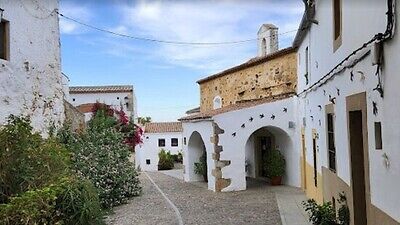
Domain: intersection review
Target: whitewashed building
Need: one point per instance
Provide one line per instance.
(30, 68)
(157, 136)
(245, 112)
(117, 96)
(348, 106)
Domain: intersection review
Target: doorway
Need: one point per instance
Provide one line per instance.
(357, 167)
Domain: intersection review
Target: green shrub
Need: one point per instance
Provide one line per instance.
(274, 164)
(70, 201)
(165, 160)
(201, 166)
(26, 160)
(178, 158)
(320, 214)
(101, 156)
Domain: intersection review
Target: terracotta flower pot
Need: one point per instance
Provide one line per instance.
(276, 181)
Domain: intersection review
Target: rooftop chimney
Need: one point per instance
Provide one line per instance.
(267, 40)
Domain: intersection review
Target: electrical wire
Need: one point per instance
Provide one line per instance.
(378, 37)
(163, 41)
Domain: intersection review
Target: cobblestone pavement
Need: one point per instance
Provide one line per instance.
(197, 205)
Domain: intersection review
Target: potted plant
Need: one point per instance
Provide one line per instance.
(201, 167)
(274, 165)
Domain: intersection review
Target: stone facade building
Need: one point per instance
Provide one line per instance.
(245, 111)
(30, 67)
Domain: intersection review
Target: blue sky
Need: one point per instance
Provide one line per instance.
(164, 76)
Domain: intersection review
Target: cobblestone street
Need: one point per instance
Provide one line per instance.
(197, 205)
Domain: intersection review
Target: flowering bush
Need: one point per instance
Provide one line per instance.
(36, 183)
(102, 156)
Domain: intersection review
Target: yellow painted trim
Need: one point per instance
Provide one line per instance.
(312, 191)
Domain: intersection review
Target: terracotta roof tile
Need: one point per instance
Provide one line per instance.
(237, 106)
(100, 89)
(163, 127)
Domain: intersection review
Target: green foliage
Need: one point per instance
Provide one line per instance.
(343, 211)
(36, 183)
(69, 201)
(26, 160)
(274, 164)
(101, 120)
(144, 120)
(101, 156)
(178, 157)
(320, 214)
(201, 166)
(166, 160)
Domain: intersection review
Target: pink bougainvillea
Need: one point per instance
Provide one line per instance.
(134, 133)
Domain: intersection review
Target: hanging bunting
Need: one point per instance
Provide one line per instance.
(375, 108)
(332, 99)
(379, 89)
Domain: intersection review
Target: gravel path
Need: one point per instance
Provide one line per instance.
(197, 205)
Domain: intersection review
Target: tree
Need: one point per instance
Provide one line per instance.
(143, 120)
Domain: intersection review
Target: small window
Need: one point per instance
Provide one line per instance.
(331, 142)
(337, 24)
(184, 140)
(306, 75)
(378, 136)
(117, 98)
(73, 99)
(148, 161)
(217, 102)
(4, 40)
(174, 142)
(161, 142)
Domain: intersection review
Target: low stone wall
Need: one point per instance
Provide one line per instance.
(74, 118)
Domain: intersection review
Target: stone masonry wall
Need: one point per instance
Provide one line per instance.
(274, 77)
(74, 118)
(30, 79)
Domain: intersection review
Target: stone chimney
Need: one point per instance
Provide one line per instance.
(267, 40)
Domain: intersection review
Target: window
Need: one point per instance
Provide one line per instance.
(117, 98)
(148, 161)
(337, 24)
(331, 142)
(184, 140)
(306, 65)
(217, 102)
(378, 136)
(73, 99)
(4, 40)
(161, 142)
(174, 142)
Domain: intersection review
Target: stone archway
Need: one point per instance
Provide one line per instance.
(196, 149)
(258, 145)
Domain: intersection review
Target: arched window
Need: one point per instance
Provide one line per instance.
(264, 47)
(217, 102)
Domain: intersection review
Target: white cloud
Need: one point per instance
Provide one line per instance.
(73, 10)
(207, 21)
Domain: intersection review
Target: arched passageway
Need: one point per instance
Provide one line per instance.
(259, 145)
(197, 157)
